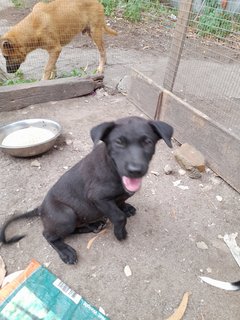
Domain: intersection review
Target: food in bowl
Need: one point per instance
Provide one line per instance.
(25, 143)
(27, 137)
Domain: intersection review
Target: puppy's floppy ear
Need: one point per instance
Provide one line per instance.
(101, 131)
(7, 45)
(163, 130)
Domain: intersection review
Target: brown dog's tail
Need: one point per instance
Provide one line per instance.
(29, 214)
(110, 31)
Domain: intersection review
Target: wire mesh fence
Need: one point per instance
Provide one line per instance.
(209, 71)
(80, 55)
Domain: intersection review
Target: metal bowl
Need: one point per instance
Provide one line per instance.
(34, 149)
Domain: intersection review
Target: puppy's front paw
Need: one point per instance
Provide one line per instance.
(120, 234)
(128, 209)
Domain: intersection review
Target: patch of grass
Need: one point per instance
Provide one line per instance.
(18, 3)
(17, 79)
(133, 9)
(22, 3)
(110, 6)
(81, 72)
(214, 20)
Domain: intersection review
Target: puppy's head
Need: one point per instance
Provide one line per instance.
(12, 54)
(131, 144)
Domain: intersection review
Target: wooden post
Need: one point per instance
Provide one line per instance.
(177, 44)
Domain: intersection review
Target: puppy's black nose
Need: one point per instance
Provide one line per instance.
(135, 170)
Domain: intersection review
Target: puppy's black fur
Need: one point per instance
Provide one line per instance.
(94, 189)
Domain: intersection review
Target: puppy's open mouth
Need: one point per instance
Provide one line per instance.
(132, 184)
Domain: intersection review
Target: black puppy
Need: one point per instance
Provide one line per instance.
(97, 187)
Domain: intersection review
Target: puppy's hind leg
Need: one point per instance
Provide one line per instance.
(66, 252)
(60, 223)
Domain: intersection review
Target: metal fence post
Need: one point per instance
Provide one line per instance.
(177, 44)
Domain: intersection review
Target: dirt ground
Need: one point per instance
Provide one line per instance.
(175, 236)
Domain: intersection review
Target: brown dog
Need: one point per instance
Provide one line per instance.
(51, 26)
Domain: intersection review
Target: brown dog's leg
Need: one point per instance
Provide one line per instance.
(97, 37)
(50, 69)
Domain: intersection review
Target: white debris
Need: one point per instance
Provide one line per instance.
(202, 245)
(35, 163)
(127, 271)
(215, 180)
(181, 172)
(9, 278)
(207, 187)
(172, 17)
(176, 183)
(2, 270)
(220, 284)
(168, 169)
(183, 187)
(230, 240)
(68, 142)
(153, 191)
(155, 173)
(219, 198)
(47, 264)
(102, 310)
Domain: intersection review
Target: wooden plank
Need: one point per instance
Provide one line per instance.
(220, 147)
(20, 96)
(177, 44)
(144, 93)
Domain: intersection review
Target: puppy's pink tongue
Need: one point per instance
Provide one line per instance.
(132, 184)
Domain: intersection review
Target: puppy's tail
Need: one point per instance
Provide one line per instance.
(110, 31)
(29, 214)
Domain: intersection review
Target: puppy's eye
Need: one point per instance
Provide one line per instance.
(120, 142)
(147, 142)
